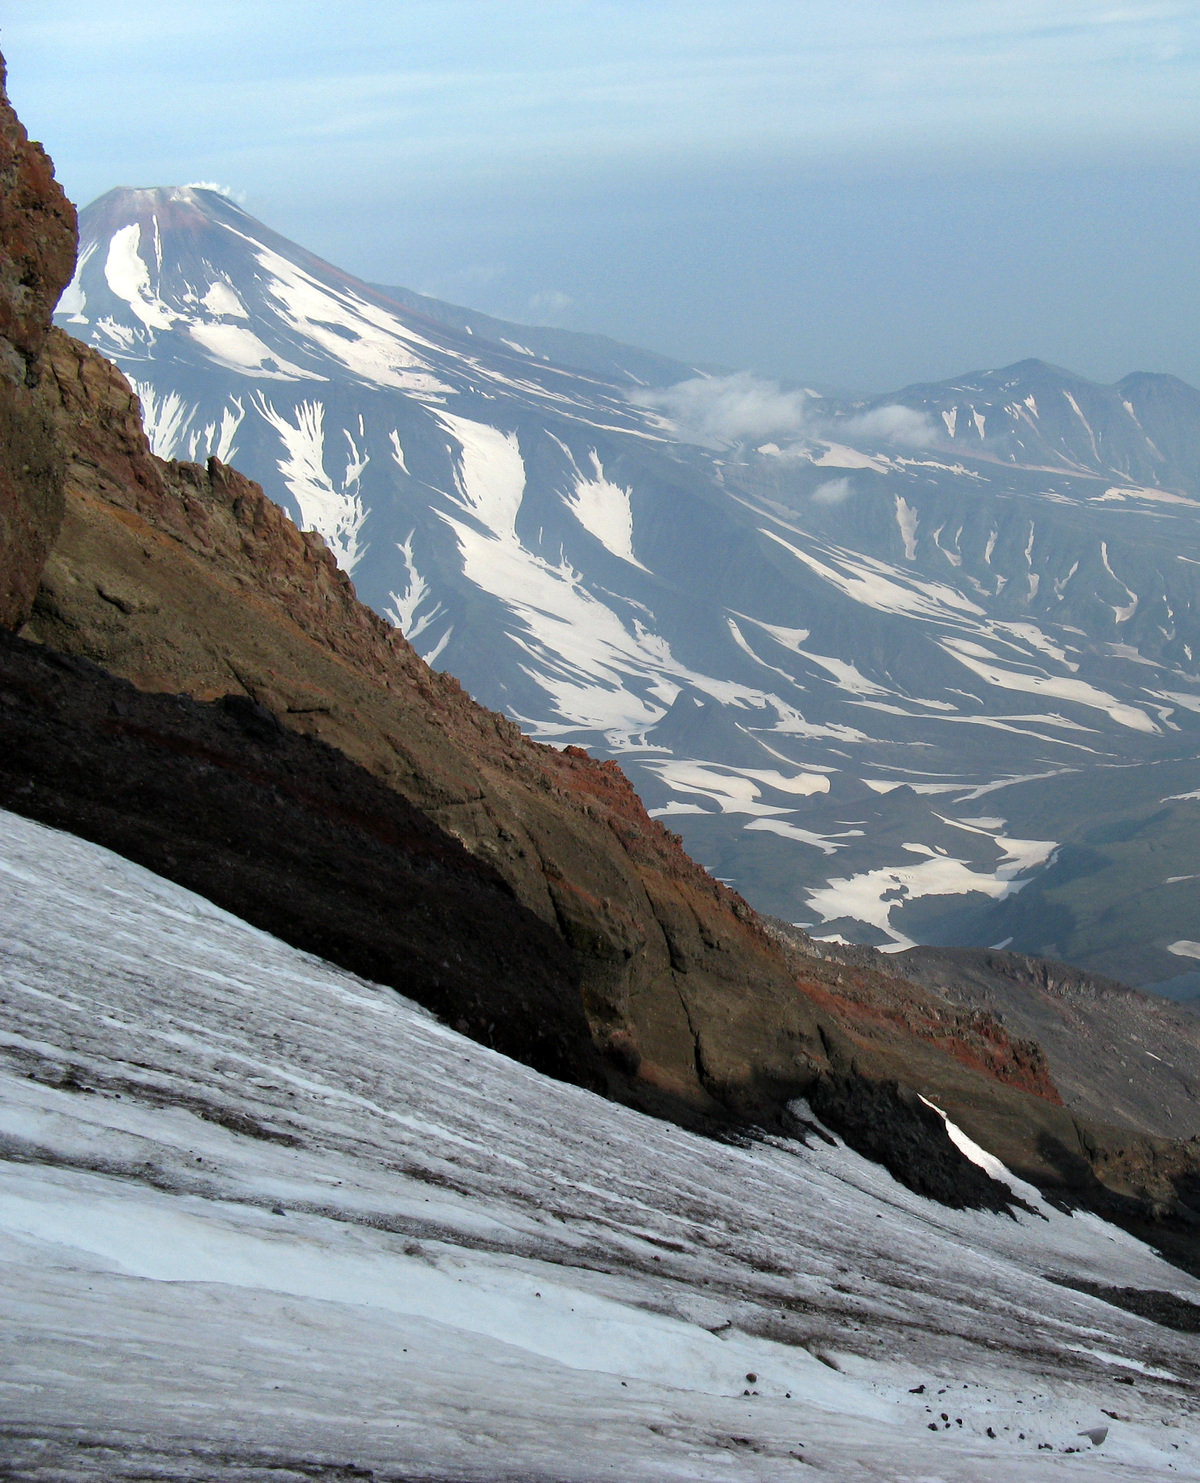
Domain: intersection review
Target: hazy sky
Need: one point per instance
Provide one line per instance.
(851, 192)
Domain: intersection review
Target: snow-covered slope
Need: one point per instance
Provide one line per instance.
(261, 1219)
(596, 354)
(877, 661)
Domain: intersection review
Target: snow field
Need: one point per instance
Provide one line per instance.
(252, 1201)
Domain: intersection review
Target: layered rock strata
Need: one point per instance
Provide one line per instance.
(37, 258)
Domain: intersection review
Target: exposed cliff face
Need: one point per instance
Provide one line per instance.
(37, 258)
(183, 578)
(293, 837)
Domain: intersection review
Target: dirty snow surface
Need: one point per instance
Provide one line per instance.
(260, 1219)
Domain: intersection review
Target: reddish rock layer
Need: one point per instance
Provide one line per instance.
(878, 1005)
(37, 258)
(182, 578)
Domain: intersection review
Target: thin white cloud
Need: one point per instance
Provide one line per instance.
(892, 424)
(548, 305)
(723, 411)
(832, 492)
(435, 82)
(720, 410)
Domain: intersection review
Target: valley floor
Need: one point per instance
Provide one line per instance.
(262, 1220)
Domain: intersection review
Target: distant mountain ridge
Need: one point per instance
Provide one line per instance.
(882, 663)
(1144, 429)
(598, 354)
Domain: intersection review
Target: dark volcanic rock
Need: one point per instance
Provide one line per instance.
(289, 834)
(891, 1125)
(37, 258)
(1165, 1308)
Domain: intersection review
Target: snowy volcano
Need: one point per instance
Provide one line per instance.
(887, 666)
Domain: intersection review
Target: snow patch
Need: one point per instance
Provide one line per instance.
(221, 299)
(982, 663)
(239, 349)
(828, 844)
(128, 276)
(172, 432)
(876, 585)
(73, 300)
(604, 510)
(335, 511)
(406, 609)
(872, 895)
(906, 519)
(1121, 612)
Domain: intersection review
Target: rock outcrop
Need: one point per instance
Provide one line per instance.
(37, 258)
(184, 578)
(292, 836)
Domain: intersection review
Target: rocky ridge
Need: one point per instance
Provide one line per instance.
(185, 578)
(37, 258)
(1111, 1051)
(293, 837)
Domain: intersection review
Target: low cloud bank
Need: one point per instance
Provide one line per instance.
(832, 492)
(894, 424)
(717, 411)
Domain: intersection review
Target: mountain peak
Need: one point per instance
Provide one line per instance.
(172, 204)
(183, 274)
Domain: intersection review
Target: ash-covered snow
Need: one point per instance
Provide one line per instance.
(263, 1219)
